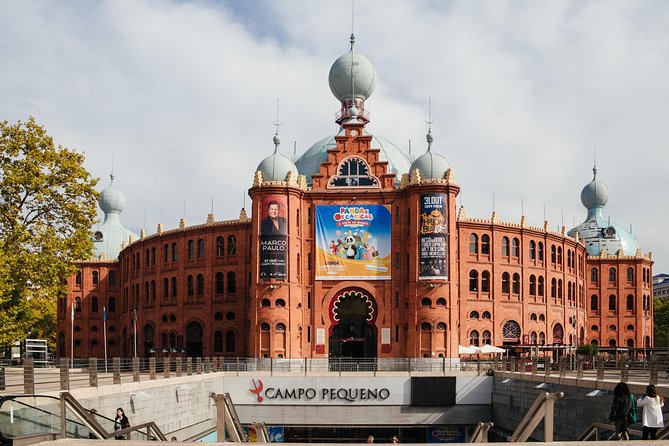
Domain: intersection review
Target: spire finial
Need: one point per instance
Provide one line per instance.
(277, 139)
(594, 166)
(429, 123)
(111, 175)
(352, 24)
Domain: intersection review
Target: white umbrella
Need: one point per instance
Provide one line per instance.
(491, 349)
(468, 350)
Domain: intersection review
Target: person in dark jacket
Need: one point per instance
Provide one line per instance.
(121, 422)
(620, 408)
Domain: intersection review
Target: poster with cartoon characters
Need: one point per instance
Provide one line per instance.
(433, 242)
(353, 242)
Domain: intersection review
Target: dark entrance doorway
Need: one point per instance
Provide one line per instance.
(354, 335)
(194, 340)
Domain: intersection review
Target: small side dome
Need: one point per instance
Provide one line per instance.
(431, 165)
(276, 166)
(356, 66)
(595, 194)
(112, 199)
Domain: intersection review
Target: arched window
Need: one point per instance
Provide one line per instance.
(153, 290)
(174, 252)
(474, 338)
(533, 317)
(540, 251)
(218, 316)
(540, 286)
(485, 244)
(441, 326)
(280, 303)
(111, 278)
(96, 277)
(594, 275)
(166, 255)
(505, 283)
(630, 302)
(147, 295)
(166, 288)
(542, 338)
(265, 303)
(77, 305)
(553, 288)
(474, 315)
(486, 315)
(515, 247)
(594, 303)
(511, 331)
(553, 254)
(200, 285)
(200, 248)
(280, 327)
(220, 282)
(594, 328)
(560, 291)
(612, 343)
(558, 334)
(441, 302)
(218, 341)
(473, 280)
(533, 285)
(232, 282)
(533, 250)
(230, 341)
(112, 304)
(630, 327)
(559, 255)
(613, 327)
(153, 256)
(230, 316)
(232, 245)
(174, 287)
(190, 287)
(485, 281)
(426, 302)
(516, 283)
(473, 244)
(505, 247)
(264, 326)
(220, 246)
(612, 302)
(486, 338)
(630, 275)
(426, 326)
(191, 250)
(77, 278)
(94, 304)
(533, 338)
(612, 275)
(147, 258)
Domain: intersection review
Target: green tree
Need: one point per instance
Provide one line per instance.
(661, 321)
(47, 207)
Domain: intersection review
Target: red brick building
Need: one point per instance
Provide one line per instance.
(355, 249)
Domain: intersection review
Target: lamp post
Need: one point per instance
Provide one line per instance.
(645, 316)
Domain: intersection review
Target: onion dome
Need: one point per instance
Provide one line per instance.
(352, 75)
(110, 235)
(112, 199)
(276, 166)
(595, 194)
(431, 165)
(597, 233)
(309, 163)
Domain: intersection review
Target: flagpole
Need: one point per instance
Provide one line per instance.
(134, 324)
(72, 337)
(104, 323)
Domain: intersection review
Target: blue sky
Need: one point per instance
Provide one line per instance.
(184, 96)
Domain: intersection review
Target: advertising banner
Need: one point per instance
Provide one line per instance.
(446, 434)
(433, 243)
(353, 242)
(273, 237)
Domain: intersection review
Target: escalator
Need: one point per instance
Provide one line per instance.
(29, 419)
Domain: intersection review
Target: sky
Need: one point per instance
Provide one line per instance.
(180, 97)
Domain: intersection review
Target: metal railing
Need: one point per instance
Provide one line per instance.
(69, 374)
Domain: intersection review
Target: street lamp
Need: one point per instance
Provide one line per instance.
(646, 315)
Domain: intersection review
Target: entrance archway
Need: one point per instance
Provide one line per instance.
(353, 333)
(194, 334)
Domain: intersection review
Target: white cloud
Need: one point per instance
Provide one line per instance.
(183, 94)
